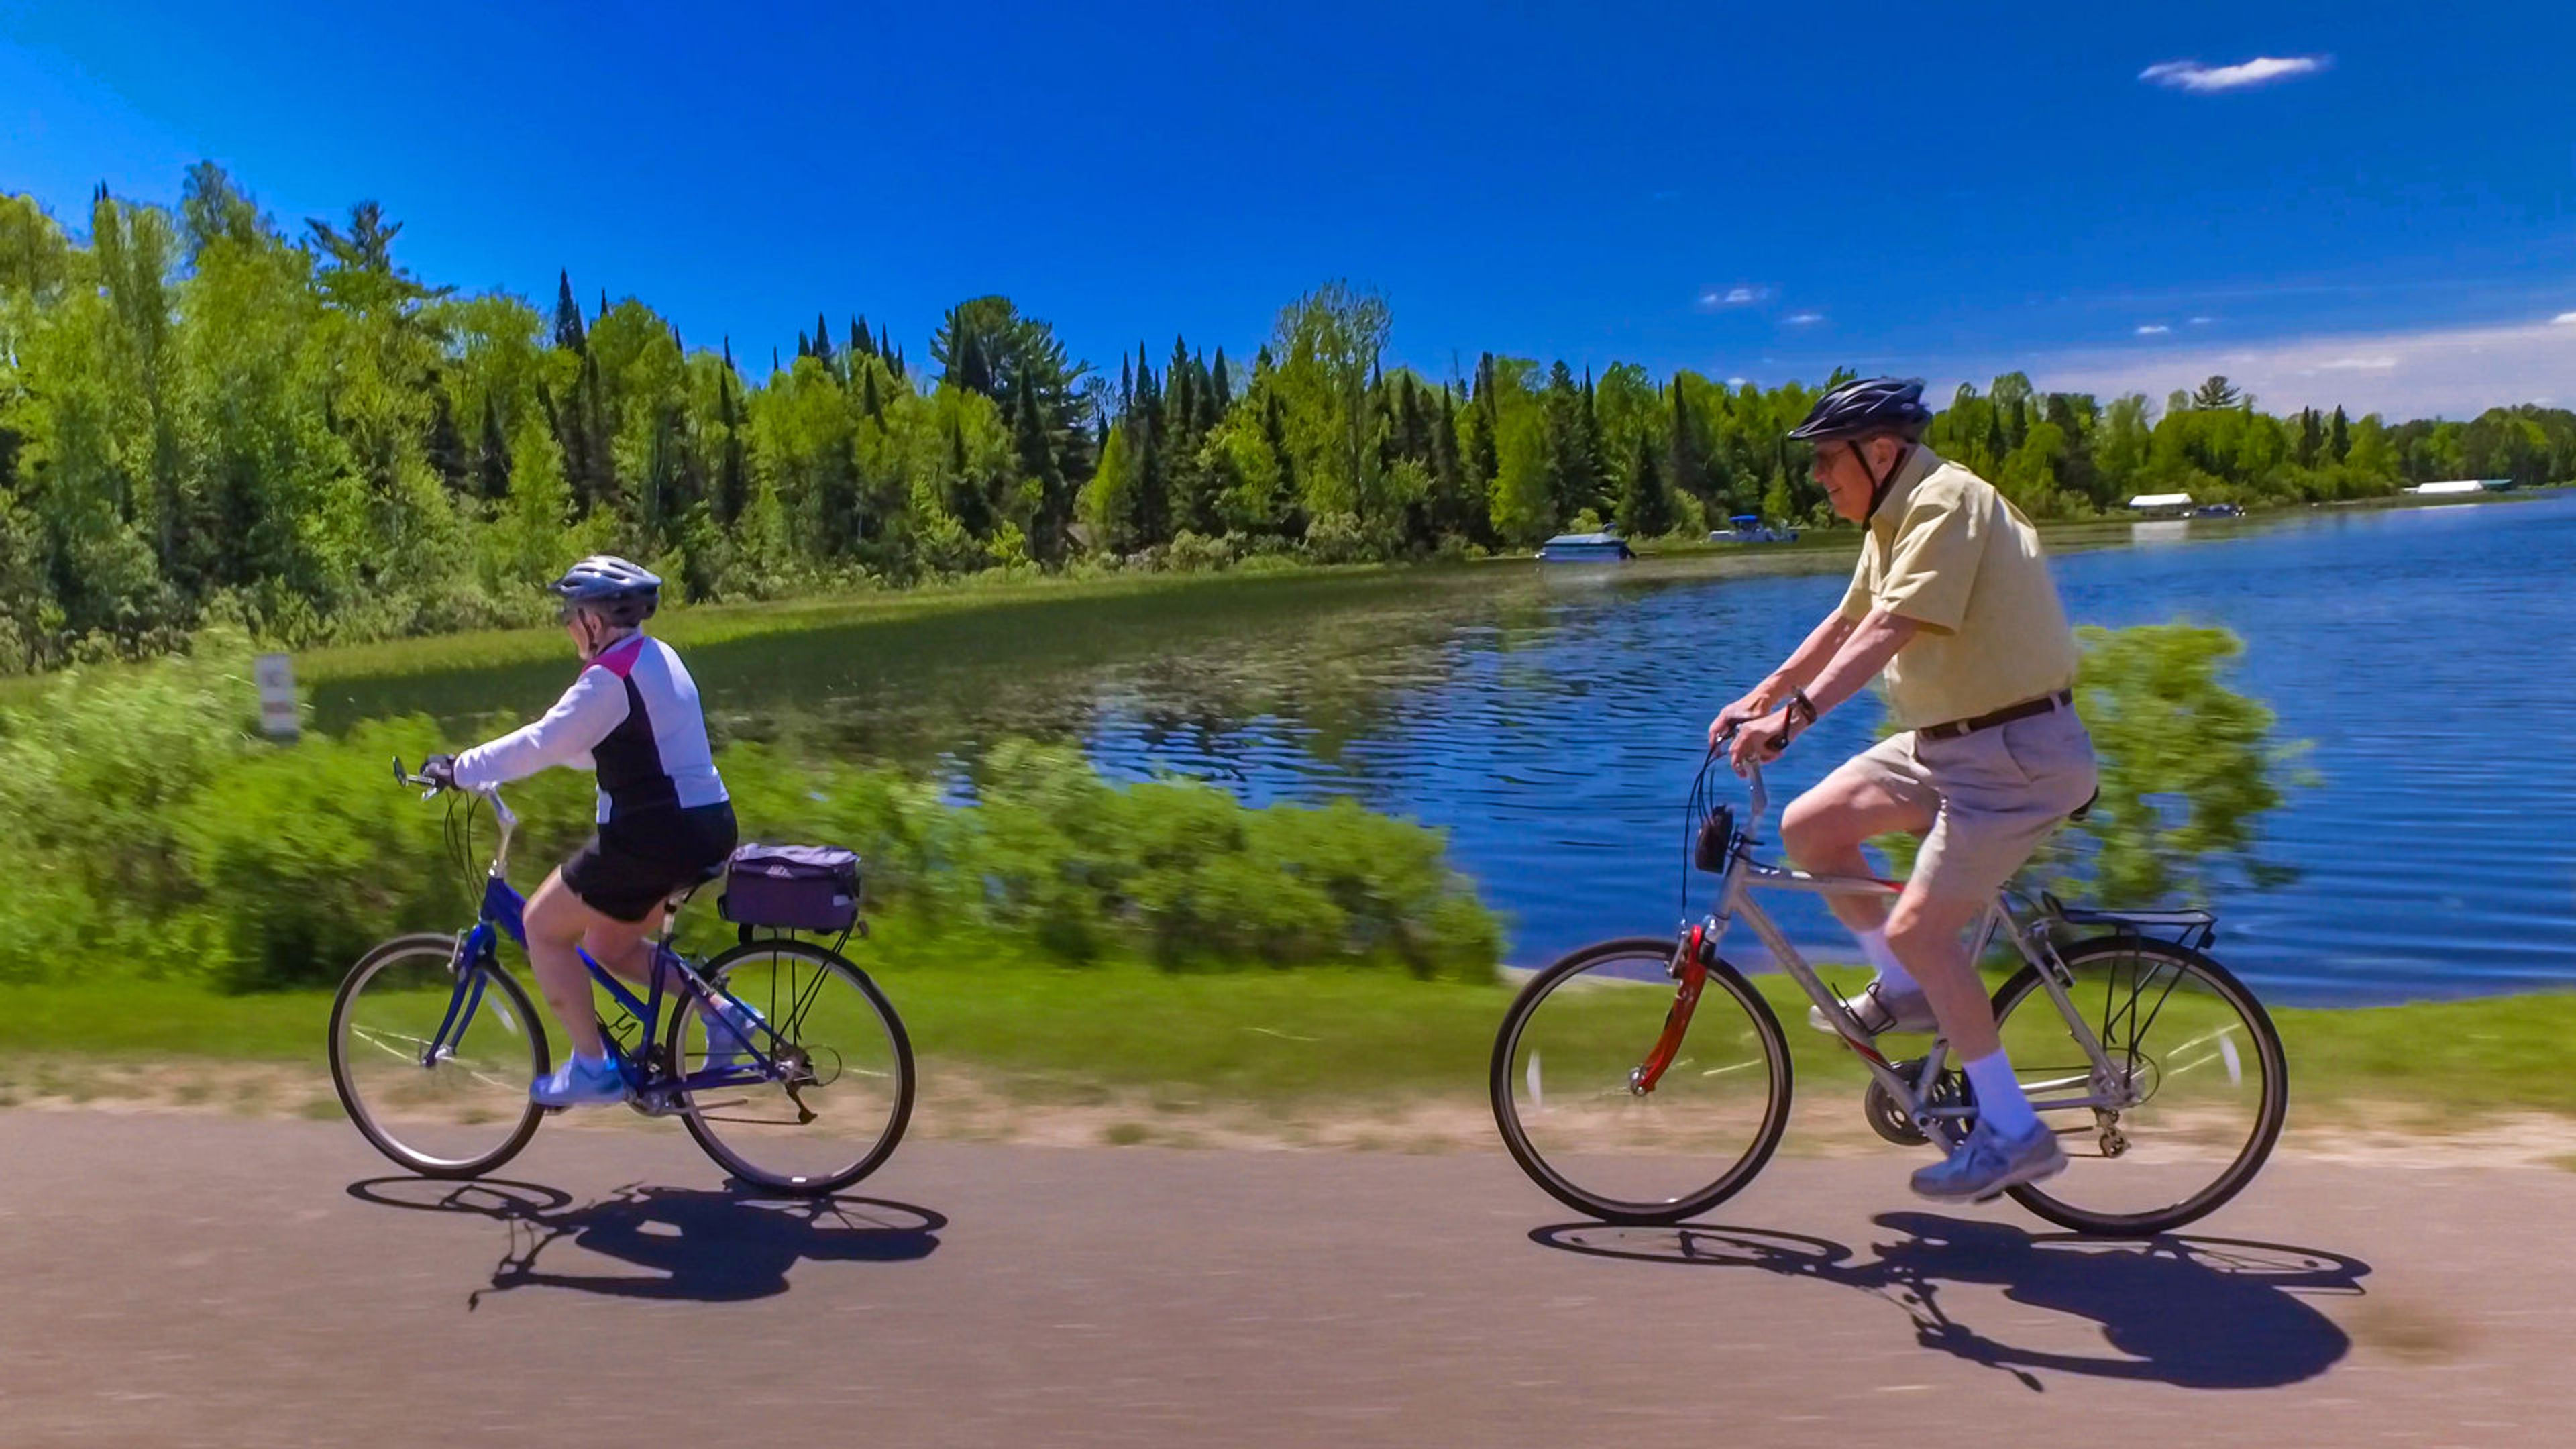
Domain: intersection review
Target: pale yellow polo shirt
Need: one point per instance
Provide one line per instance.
(1949, 552)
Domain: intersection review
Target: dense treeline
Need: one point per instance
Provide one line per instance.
(205, 419)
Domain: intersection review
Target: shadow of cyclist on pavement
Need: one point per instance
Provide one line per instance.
(697, 1246)
(2206, 1313)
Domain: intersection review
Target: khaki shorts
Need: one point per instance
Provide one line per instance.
(1994, 794)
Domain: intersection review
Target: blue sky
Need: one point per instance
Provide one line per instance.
(2372, 204)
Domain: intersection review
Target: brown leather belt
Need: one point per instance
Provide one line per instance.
(2024, 710)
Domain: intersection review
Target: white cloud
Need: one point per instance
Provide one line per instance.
(1804, 319)
(1737, 296)
(2454, 372)
(1735, 382)
(2565, 319)
(2191, 75)
(2202, 321)
(2153, 329)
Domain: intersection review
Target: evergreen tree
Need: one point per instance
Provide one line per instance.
(1572, 468)
(600, 480)
(568, 330)
(1644, 510)
(1484, 443)
(1218, 385)
(733, 477)
(2339, 440)
(1687, 461)
(822, 340)
(1455, 505)
(2216, 393)
(2311, 438)
(492, 467)
(1149, 518)
(1049, 536)
(445, 446)
(861, 344)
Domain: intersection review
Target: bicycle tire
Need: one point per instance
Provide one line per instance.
(1557, 1183)
(2271, 1113)
(899, 1043)
(365, 1117)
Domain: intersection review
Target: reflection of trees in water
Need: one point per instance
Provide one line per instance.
(1194, 678)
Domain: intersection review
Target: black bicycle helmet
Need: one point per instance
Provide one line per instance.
(1869, 408)
(1866, 409)
(616, 590)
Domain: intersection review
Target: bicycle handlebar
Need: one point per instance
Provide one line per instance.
(502, 814)
(1759, 801)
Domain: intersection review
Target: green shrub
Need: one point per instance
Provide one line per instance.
(155, 836)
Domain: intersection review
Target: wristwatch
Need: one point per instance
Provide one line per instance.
(1799, 711)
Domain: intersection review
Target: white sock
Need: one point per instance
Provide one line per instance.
(2000, 1103)
(1891, 972)
(593, 1060)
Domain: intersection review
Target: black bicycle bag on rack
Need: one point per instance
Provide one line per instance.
(792, 888)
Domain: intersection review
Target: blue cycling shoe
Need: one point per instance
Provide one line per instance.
(579, 1083)
(1989, 1162)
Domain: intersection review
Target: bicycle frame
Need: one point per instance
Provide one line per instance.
(2106, 1089)
(504, 911)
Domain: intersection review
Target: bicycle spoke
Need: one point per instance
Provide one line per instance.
(839, 1092)
(2195, 1102)
(437, 1088)
(1589, 1112)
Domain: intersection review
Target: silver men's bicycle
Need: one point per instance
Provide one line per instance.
(1645, 1080)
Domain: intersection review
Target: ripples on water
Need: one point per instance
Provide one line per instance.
(1550, 719)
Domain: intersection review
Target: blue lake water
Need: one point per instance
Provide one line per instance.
(1549, 719)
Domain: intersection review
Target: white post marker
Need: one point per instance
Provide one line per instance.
(277, 712)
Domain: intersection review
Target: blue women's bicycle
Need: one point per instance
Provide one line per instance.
(433, 1044)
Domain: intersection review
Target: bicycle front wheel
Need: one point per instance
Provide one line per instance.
(1635, 1097)
(840, 1096)
(2192, 1053)
(436, 1078)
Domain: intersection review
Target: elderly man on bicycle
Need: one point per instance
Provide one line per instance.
(1952, 600)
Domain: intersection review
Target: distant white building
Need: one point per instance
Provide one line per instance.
(2160, 504)
(2454, 486)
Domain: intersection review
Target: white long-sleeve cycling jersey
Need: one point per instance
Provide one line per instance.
(633, 715)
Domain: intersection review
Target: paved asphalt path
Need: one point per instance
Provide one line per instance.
(180, 1280)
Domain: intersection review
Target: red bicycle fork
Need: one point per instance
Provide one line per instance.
(1691, 970)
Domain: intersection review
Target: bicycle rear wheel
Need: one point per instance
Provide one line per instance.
(842, 1096)
(2189, 1043)
(459, 1111)
(1633, 1097)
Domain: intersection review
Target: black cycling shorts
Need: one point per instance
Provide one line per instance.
(638, 861)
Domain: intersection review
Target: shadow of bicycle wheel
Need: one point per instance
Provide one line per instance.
(692, 1245)
(2196, 1312)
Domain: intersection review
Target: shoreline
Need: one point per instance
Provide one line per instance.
(1814, 551)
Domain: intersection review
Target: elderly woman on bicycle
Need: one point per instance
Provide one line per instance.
(664, 823)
